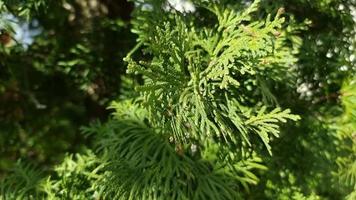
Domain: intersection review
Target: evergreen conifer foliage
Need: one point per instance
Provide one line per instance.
(200, 83)
(199, 116)
(22, 183)
(196, 139)
(346, 127)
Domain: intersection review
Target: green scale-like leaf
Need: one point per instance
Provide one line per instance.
(193, 82)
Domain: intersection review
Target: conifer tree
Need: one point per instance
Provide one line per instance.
(216, 103)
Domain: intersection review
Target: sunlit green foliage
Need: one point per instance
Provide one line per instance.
(220, 100)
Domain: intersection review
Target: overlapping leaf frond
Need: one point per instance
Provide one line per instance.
(198, 79)
(347, 129)
(144, 163)
(23, 183)
(75, 178)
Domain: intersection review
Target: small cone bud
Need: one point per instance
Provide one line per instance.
(281, 11)
(276, 33)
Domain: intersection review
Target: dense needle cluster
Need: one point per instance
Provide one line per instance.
(201, 113)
